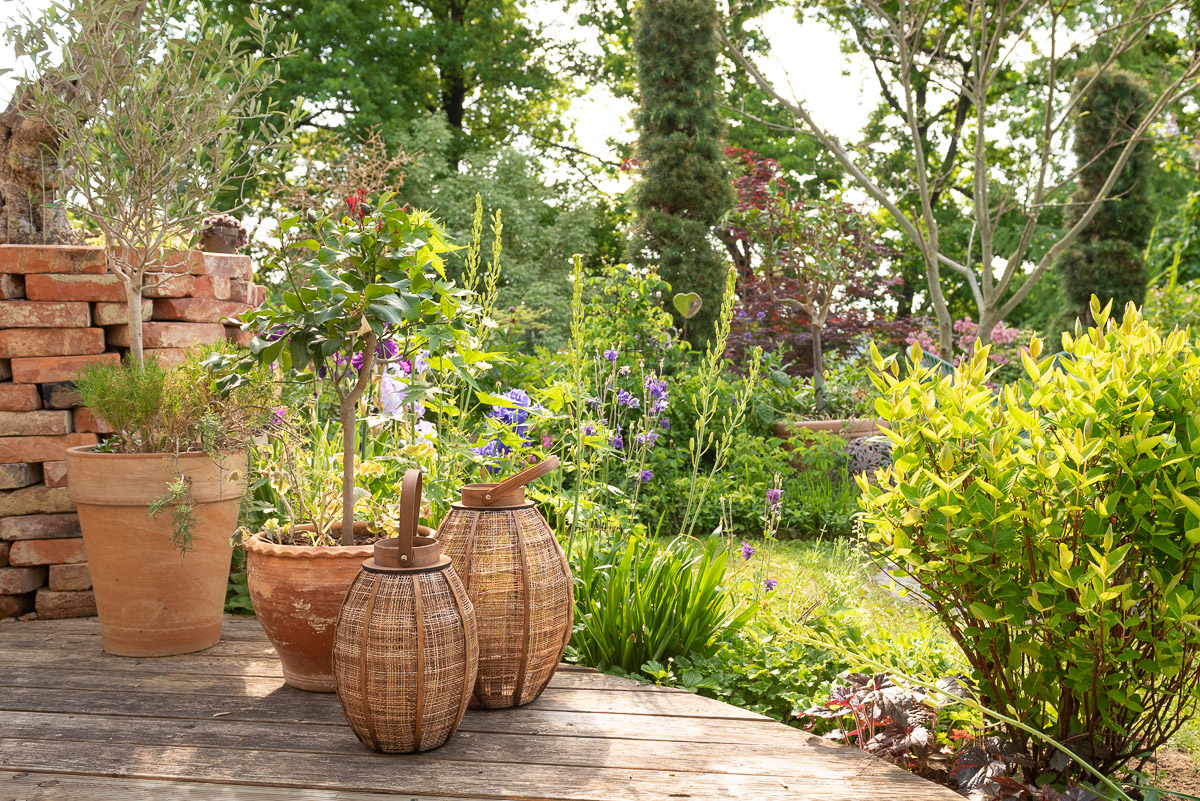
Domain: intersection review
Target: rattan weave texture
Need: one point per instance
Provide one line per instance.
(517, 577)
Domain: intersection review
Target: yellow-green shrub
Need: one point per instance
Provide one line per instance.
(1055, 530)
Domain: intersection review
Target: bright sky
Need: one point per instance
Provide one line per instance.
(839, 92)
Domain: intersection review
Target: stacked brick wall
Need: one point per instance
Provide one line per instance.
(60, 310)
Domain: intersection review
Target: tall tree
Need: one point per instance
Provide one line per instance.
(367, 64)
(982, 93)
(683, 189)
(1106, 259)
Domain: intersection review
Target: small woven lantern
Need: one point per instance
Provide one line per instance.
(520, 585)
(405, 650)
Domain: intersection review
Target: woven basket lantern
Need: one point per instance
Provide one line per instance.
(405, 650)
(520, 585)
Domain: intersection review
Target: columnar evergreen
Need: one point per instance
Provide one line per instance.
(1107, 259)
(684, 189)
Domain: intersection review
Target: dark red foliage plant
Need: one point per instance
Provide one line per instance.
(812, 274)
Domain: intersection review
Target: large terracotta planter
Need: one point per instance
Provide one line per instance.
(152, 599)
(850, 428)
(297, 592)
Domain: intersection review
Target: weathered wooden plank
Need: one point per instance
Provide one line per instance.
(564, 700)
(300, 708)
(752, 758)
(432, 776)
(40, 786)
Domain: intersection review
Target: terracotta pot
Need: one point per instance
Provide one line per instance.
(297, 592)
(850, 428)
(152, 599)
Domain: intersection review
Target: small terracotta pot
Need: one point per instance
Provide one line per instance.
(152, 599)
(850, 428)
(297, 592)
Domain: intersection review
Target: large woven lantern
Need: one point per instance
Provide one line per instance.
(520, 585)
(405, 650)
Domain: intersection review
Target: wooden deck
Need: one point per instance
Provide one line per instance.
(76, 723)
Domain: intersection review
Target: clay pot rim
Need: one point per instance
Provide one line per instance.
(258, 545)
(89, 452)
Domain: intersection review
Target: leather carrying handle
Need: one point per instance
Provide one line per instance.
(410, 514)
(527, 475)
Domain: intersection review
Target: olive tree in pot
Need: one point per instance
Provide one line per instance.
(158, 500)
(374, 292)
(162, 116)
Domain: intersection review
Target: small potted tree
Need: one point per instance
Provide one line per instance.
(158, 500)
(374, 292)
(162, 117)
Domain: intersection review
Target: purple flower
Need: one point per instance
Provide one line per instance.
(546, 441)
(665, 424)
(611, 354)
(770, 584)
(645, 476)
(648, 439)
(421, 363)
(589, 430)
(761, 316)
(775, 499)
(624, 370)
(747, 550)
(617, 441)
(624, 398)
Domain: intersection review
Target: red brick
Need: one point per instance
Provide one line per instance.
(17, 342)
(60, 396)
(169, 335)
(27, 259)
(167, 357)
(35, 500)
(15, 476)
(40, 527)
(237, 336)
(48, 552)
(33, 424)
(20, 580)
(197, 310)
(75, 287)
(239, 290)
(19, 398)
(226, 265)
(4, 548)
(55, 369)
(258, 295)
(16, 605)
(66, 578)
(43, 314)
(118, 313)
(54, 474)
(12, 287)
(86, 421)
(53, 605)
(186, 286)
(41, 449)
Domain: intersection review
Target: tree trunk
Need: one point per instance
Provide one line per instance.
(348, 415)
(30, 177)
(133, 299)
(818, 370)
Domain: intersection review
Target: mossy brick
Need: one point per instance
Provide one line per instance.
(39, 527)
(12, 287)
(54, 474)
(45, 422)
(20, 580)
(187, 286)
(32, 342)
(35, 500)
(41, 449)
(56, 369)
(70, 259)
(19, 398)
(197, 310)
(118, 313)
(47, 552)
(16, 605)
(69, 578)
(169, 335)
(44, 314)
(60, 395)
(15, 476)
(53, 605)
(75, 287)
